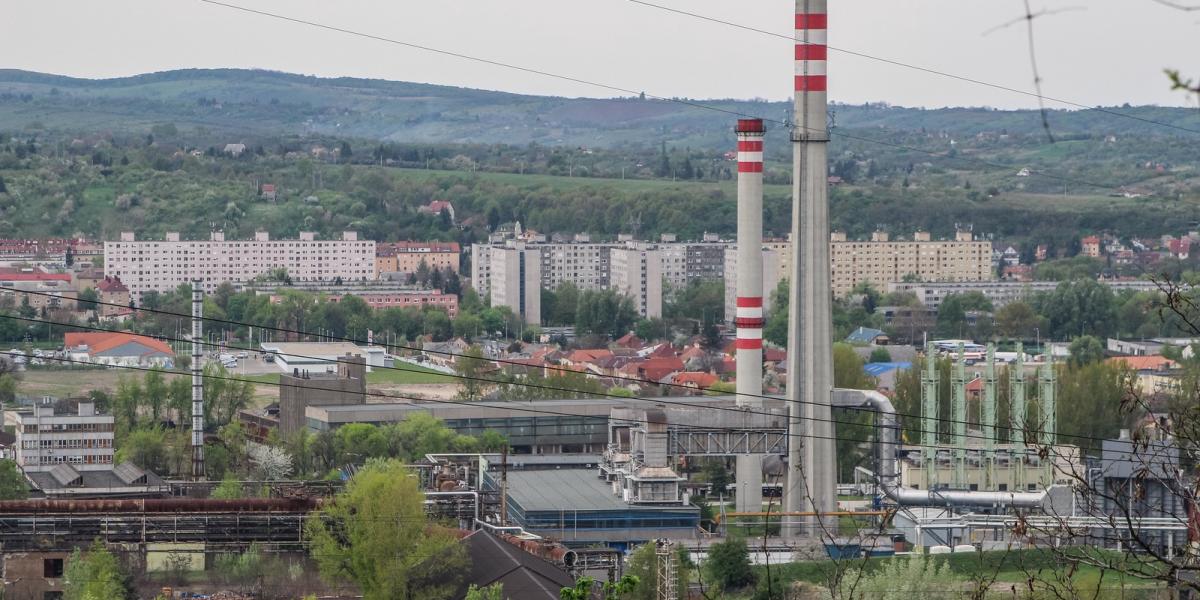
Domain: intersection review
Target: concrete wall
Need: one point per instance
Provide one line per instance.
(296, 394)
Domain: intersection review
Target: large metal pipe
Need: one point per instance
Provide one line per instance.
(889, 480)
(749, 317)
(159, 505)
(197, 380)
(812, 465)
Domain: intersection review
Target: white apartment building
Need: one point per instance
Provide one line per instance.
(589, 265)
(517, 280)
(882, 260)
(637, 272)
(1001, 292)
(46, 439)
(163, 265)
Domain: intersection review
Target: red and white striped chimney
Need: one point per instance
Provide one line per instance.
(749, 316)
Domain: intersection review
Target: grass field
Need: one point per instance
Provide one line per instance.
(1004, 569)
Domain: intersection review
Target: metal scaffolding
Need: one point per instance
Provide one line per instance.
(929, 415)
(1016, 416)
(958, 418)
(987, 417)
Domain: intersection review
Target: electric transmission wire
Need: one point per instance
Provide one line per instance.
(1000, 428)
(931, 71)
(946, 155)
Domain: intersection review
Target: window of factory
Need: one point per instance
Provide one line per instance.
(52, 568)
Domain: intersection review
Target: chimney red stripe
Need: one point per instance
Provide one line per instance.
(749, 167)
(750, 146)
(746, 302)
(812, 21)
(810, 83)
(747, 344)
(749, 323)
(811, 52)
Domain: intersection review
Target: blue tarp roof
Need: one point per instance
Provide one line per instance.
(877, 369)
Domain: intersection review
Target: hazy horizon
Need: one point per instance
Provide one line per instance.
(1106, 53)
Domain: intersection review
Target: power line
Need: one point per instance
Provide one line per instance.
(662, 401)
(929, 70)
(693, 104)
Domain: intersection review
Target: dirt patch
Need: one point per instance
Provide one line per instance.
(421, 391)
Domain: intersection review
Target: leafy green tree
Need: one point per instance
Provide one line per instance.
(26, 310)
(1089, 403)
(492, 441)
(880, 355)
(87, 299)
(952, 312)
(145, 447)
(155, 393)
(224, 395)
(12, 483)
(718, 475)
(651, 329)
(229, 489)
(96, 575)
(776, 329)
(377, 535)
(491, 592)
(643, 564)
(899, 579)
(1017, 320)
(604, 312)
(126, 402)
(584, 589)
(472, 369)
(1080, 307)
(729, 565)
(1085, 350)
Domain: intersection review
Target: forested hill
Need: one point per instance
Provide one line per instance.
(273, 103)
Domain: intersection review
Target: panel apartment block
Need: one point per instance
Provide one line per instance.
(517, 280)
(162, 265)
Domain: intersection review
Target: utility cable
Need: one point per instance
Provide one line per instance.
(690, 103)
(929, 70)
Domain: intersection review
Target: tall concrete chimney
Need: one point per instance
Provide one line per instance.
(749, 316)
(197, 380)
(812, 464)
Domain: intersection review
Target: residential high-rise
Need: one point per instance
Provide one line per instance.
(880, 261)
(637, 273)
(517, 280)
(164, 265)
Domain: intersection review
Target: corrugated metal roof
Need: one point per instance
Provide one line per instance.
(66, 475)
(129, 473)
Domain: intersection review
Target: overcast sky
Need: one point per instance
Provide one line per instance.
(1108, 53)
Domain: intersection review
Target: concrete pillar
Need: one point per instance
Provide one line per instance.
(812, 466)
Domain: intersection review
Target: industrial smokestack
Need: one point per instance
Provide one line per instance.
(197, 381)
(812, 464)
(749, 316)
